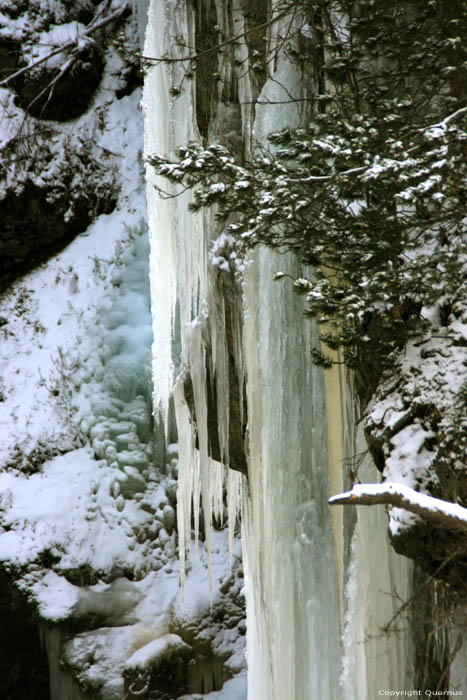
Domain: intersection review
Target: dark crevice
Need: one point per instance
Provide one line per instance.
(24, 667)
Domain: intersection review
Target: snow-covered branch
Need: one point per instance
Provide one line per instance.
(450, 117)
(431, 509)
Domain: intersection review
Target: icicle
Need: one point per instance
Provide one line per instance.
(237, 325)
(197, 358)
(157, 139)
(246, 92)
(62, 685)
(178, 255)
(196, 492)
(185, 479)
(180, 271)
(217, 490)
(221, 364)
(234, 490)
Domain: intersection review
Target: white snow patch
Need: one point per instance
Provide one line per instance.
(151, 653)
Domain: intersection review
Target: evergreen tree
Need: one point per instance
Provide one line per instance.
(372, 193)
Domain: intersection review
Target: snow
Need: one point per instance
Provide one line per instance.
(224, 254)
(152, 652)
(56, 36)
(234, 689)
(47, 311)
(408, 454)
(57, 513)
(152, 604)
(67, 510)
(87, 495)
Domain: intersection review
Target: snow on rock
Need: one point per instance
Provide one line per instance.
(151, 653)
(87, 494)
(44, 337)
(234, 689)
(56, 36)
(68, 513)
(416, 427)
(57, 178)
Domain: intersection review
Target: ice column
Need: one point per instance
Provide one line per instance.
(292, 619)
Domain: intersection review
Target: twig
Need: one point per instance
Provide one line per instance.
(425, 583)
(50, 86)
(217, 47)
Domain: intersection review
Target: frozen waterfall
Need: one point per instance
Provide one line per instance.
(315, 605)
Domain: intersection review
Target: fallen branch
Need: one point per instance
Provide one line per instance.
(433, 510)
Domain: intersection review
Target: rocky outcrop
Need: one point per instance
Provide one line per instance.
(53, 179)
(417, 434)
(40, 218)
(53, 61)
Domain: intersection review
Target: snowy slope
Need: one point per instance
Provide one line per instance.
(87, 504)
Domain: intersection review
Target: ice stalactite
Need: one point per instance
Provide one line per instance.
(180, 280)
(286, 533)
(177, 245)
(62, 685)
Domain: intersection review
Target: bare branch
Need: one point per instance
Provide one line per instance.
(30, 66)
(68, 45)
(50, 86)
(318, 178)
(217, 47)
(433, 510)
(106, 20)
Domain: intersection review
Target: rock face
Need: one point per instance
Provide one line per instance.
(52, 182)
(54, 56)
(417, 433)
(71, 94)
(237, 418)
(23, 660)
(161, 665)
(39, 219)
(168, 668)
